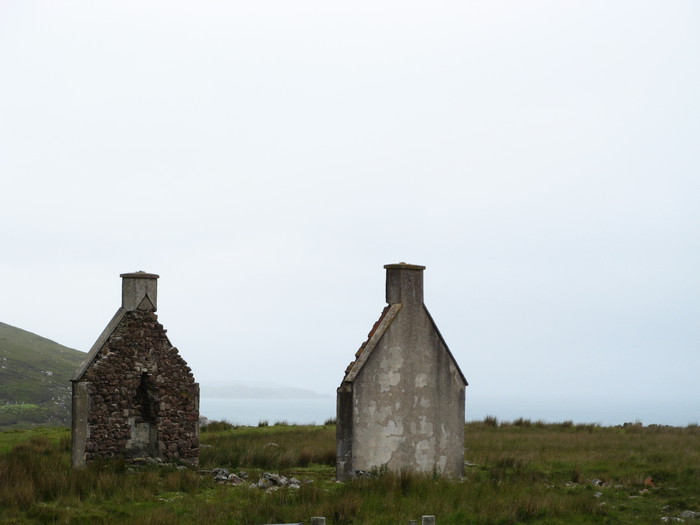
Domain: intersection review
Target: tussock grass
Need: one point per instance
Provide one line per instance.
(491, 421)
(519, 472)
(279, 447)
(218, 426)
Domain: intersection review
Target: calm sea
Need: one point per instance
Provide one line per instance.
(313, 411)
(318, 410)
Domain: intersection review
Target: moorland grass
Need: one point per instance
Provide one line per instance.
(519, 472)
(271, 447)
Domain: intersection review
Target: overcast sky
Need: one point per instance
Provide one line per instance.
(267, 158)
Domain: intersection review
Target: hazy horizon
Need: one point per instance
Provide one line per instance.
(272, 399)
(249, 402)
(316, 410)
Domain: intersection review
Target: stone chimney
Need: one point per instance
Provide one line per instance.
(404, 283)
(139, 291)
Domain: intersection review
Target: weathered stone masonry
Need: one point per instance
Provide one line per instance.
(135, 395)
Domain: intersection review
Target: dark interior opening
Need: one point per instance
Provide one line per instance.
(144, 403)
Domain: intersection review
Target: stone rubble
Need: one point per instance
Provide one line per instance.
(269, 481)
(685, 515)
(136, 464)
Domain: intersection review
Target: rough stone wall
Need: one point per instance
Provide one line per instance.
(142, 397)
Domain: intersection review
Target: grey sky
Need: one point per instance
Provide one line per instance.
(268, 158)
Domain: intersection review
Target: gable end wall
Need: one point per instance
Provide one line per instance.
(136, 397)
(408, 401)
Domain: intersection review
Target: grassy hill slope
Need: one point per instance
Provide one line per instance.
(34, 378)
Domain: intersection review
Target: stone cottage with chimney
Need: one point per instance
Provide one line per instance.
(134, 395)
(401, 402)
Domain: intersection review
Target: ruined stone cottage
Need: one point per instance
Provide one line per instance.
(401, 402)
(134, 395)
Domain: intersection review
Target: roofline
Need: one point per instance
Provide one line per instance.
(385, 323)
(442, 339)
(101, 340)
(357, 365)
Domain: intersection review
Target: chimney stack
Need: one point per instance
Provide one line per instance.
(404, 283)
(139, 291)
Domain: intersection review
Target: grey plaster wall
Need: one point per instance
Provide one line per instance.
(401, 403)
(403, 398)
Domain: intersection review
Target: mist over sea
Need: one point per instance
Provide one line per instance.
(319, 409)
(314, 411)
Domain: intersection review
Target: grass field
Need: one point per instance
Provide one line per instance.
(518, 472)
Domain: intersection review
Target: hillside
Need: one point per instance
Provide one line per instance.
(34, 379)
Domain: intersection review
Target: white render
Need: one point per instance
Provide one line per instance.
(401, 403)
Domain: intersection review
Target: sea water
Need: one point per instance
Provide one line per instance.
(313, 411)
(316, 411)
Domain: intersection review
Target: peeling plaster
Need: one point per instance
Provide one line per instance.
(421, 380)
(426, 427)
(425, 452)
(407, 403)
(390, 365)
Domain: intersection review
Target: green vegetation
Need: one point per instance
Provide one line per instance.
(279, 448)
(34, 379)
(519, 472)
(25, 412)
(10, 438)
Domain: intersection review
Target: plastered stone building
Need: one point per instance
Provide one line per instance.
(401, 402)
(134, 395)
